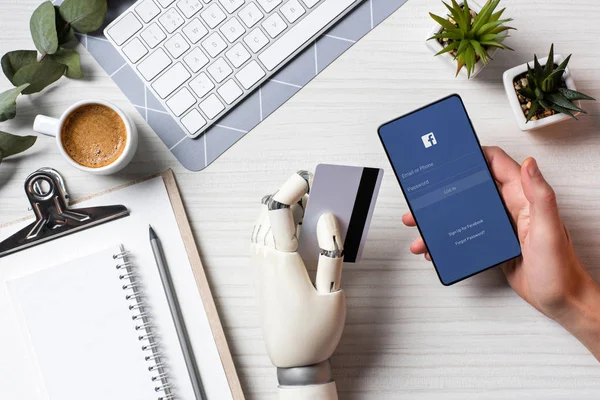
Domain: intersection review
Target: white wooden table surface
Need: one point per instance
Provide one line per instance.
(407, 336)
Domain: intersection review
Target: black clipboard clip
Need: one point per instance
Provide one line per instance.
(47, 194)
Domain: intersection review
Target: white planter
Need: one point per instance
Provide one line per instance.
(436, 47)
(508, 79)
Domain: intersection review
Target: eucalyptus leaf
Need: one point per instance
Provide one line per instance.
(15, 60)
(43, 28)
(39, 75)
(8, 102)
(70, 59)
(65, 31)
(84, 15)
(13, 144)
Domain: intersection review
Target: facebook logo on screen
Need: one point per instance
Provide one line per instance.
(429, 140)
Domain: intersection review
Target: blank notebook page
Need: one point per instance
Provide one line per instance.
(80, 327)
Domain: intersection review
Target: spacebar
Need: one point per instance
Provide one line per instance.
(303, 32)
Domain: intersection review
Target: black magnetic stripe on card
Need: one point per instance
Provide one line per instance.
(360, 212)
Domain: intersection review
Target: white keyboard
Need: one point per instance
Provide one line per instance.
(202, 57)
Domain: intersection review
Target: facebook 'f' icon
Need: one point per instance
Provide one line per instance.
(429, 140)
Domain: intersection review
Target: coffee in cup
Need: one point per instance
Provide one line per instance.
(93, 135)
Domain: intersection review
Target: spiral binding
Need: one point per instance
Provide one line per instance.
(155, 361)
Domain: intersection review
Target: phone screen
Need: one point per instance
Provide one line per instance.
(444, 176)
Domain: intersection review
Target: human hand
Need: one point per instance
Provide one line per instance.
(549, 275)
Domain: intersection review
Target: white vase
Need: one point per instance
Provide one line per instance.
(448, 58)
(511, 93)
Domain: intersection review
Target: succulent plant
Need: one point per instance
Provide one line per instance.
(469, 36)
(546, 88)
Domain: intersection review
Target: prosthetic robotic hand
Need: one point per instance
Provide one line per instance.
(302, 323)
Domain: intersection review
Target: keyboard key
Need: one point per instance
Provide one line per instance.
(171, 80)
(303, 32)
(212, 106)
(181, 101)
(189, 7)
(171, 20)
(153, 35)
(250, 74)
(310, 3)
(231, 5)
(195, 30)
(256, 40)
(193, 121)
(251, 15)
(219, 70)
(125, 28)
(135, 50)
(292, 10)
(177, 45)
(214, 45)
(154, 64)
(201, 85)
(232, 29)
(191, 53)
(147, 10)
(274, 25)
(238, 55)
(230, 91)
(213, 16)
(269, 5)
(196, 59)
(165, 3)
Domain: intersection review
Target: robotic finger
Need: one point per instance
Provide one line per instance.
(283, 206)
(262, 233)
(329, 271)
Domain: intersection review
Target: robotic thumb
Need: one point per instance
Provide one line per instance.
(329, 272)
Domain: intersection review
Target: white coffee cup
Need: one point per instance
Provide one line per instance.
(53, 127)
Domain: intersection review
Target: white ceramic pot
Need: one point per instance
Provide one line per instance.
(448, 58)
(508, 79)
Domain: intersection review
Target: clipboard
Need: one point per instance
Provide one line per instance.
(197, 269)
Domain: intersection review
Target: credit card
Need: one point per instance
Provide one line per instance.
(349, 193)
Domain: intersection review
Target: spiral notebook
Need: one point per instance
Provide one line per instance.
(78, 319)
(85, 316)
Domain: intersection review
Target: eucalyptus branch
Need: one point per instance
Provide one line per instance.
(51, 27)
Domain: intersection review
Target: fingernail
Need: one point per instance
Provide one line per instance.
(533, 169)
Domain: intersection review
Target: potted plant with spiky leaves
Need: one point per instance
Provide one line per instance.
(469, 35)
(545, 94)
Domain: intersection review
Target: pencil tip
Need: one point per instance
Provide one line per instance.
(152, 233)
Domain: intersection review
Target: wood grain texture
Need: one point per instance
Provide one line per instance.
(407, 337)
(203, 286)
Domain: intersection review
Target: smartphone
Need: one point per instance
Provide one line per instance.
(449, 188)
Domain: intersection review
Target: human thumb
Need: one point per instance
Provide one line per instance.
(542, 199)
